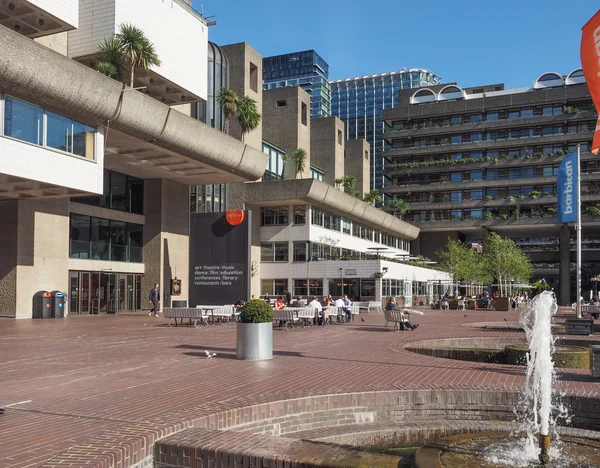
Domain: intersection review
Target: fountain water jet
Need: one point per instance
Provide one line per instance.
(536, 320)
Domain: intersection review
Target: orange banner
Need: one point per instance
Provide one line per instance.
(590, 61)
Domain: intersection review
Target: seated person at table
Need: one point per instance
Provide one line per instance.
(315, 304)
(279, 303)
(330, 300)
(391, 305)
(339, 306)
(268, 298)
(347, 307)
(325, 303)
(299, 302)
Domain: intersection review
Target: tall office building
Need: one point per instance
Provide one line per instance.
(305, 69)
(360, 102)
(469, 161)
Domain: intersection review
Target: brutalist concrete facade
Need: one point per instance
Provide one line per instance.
(474, 160)
(357, 162)
(287, 124)
(327, 147)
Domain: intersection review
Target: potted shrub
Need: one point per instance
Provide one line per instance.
(255, 331)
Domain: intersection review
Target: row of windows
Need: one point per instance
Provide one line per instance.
(103, 239)
(210, 198)
(121, 192)
(355, 288)
(35, 125)
(492, 135)
(487, 193)
(276, 163)
(303, 251)
(490, 213)
(538, 111)
(346, 226)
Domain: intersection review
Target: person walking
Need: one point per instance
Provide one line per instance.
(154, 299)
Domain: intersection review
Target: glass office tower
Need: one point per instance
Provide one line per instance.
(359, 102)
(305, 69)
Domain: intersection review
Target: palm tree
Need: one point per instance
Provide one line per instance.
(108, 69)
(372, 197)
(111, 58)
(247, 114)
(349, 183)
(300, 161)
(137, 50)
(228, 100)
(397, 205)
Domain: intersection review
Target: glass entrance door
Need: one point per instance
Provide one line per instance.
(100, 293)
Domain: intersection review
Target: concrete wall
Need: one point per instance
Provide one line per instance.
(357, 163)
(327, 147)
(64, 10)
(56, 42)
(245, 78)
(180, 38)
(166, 237)
(42, 250)
(284, 126)
(8, 257)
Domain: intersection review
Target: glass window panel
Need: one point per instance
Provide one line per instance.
(267, 253)
(23, 121)
(118, 241)
(80, 236)
(83, 140)
(100, 239)
(59, 133)
(300, 214)
(300, 251)
(281, 251)
(135, 234)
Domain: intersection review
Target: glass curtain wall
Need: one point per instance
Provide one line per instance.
(212, 198)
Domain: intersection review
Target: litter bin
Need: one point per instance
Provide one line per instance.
(179, 304)
(42, 305)
(59, 301)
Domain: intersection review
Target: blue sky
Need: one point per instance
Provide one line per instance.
(472, 42)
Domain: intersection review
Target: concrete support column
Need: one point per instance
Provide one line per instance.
(564, 269)
(166, 238)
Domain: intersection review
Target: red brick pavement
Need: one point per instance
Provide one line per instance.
(102, 389)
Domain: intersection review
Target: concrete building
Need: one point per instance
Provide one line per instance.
(327, 147)
(305, 69)
(313, 239)
(357, 163)
(481, 159)
(360, 102)
(287, 125)
(94, 176)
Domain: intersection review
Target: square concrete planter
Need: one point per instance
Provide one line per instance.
(254, 341)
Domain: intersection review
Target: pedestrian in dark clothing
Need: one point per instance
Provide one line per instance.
(154, 299)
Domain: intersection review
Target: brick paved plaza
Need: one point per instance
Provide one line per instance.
(100, 391)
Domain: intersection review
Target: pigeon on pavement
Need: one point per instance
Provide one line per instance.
(209, 355)
(362, 319)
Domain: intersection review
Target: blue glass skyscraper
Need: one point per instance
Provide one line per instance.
(359, 102)
(305, 69)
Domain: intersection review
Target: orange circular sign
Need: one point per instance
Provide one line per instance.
(234, 217)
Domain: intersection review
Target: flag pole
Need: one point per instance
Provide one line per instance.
(578, 228)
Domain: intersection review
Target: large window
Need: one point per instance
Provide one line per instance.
(300, 250)
(308, 288)
(274, 252)
(300, 214)
(103, 239)
(277, 216)
(121, 192)
(25, 122)
(275, 166)
(273, 287)
(316, 173)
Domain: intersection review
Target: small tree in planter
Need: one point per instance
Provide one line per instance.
(255, 331)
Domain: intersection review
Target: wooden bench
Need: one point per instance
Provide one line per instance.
(400, 318)
(285, 317)
(579, 326)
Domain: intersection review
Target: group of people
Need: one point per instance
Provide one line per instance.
(322, 305)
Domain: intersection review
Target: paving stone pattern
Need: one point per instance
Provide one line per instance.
(100, 391)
